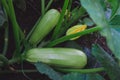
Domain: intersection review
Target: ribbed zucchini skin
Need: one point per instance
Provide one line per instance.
(58, 57)
(46, 24)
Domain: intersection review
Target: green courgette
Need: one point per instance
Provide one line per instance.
(46, 24)
(58, 57)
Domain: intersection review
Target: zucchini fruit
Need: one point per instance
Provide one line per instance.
(57, 57)
(47, 23)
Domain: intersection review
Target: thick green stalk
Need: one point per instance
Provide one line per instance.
(93, 70)
(65, 38)
(48, 5)
(4, 3)
(57, 29)
(43, 7)
(70, 5)
(15, 24)
(78, 13)
(5, 40)
(18, 71)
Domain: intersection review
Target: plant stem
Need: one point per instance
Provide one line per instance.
(4, 3)
(17, 71)
(4, 60)
(15, 25)
(5, 40)
(65, 38)
(16, 28)
(42, 7)
(57, 29)
(93, 70)
(14, 60)
(48, 5)
(70, 5)
(76, 15)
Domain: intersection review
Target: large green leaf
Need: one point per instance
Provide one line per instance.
(115, 20)
(114, 5)
(116, 27)
(112, 34)
(74, 76)
(78, 76)
(111, 67)
(88, 21)
(96, 12)
(118, 11)
(94, 77)
(113, 40)
(45, 69)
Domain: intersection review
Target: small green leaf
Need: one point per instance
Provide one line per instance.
(45, 69)
(111, 67)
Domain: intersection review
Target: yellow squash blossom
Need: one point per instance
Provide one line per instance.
(76, 29)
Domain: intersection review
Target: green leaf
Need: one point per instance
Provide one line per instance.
(116, 27)
(45, 69)
(111, 67)
(113, 40)
(97, 13)
(95, 10)
(76, 14)
(114, 5)
(118, 11)
(115, 20)
(88, 21)
(94, 77)
(102, 2)
(78, 76)
(58, 26)
(74, 76)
